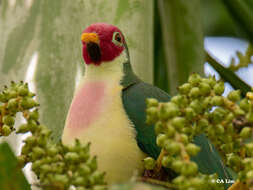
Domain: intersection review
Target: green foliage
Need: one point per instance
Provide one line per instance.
(200, 108)
(241, 12)
(11, 176)
(182, 41)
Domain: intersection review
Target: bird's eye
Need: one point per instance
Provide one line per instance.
(117, 39)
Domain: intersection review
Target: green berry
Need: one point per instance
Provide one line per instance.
(149, 163)
(217, 101)
(23, 90)
(34, 115)
(170, 132)
(61, 178)
(151, 102)
(202, 123)
(249, 175)
(38, 152)
(219, 88)
(189, 168)
(8, 120)
(204, 88)
(31, 140)
(185, 88)
(196, 106)
(234, 95)
(84, 169)
(192, 149)
(244, 104)
(178, 122)
(71, 157)
(177, 165)
(6, 130)
(28, 103)
(166, 161)
(160, 139)
(194, 79)
(189, 113)
(219, 129)
(168, 110)
(184, 138)
(12, 104)
(159, 128)
(246, 132)
(92, 163)
(173, 148)
(194, 92)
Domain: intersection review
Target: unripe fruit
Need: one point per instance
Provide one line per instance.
(249, 175)
(166, 161)
(28, 103)
(178, 122)
(159, 127)
(189, 113)
(219, 88)
(23, 90)
(217, 101)
(8, 120)
(34, 115)
(62, 178)
(168, 110)
(244, 104)
(151, 102)
(234, 95)
(38, 152)
(177, 165)
(160, 139)
(170, 132)
(204, 88)
(194, 92)
(71, 157)
(6, 130)
(149, 163)
(185, 88)
(172, 148)
(192, 149)
(12, 104)
(184, 138)
(196, 106)
(246, 132)
(189, 168)
(219, 129)
(194, 79)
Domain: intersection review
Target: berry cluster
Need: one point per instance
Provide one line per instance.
(200, 108)
(56, 165)
(14, 99)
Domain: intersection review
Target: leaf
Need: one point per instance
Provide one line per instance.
(228, 75)
(183, 39)
(160, 67)
(242, 12)
(11, 176)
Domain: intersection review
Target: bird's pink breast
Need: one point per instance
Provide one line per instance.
(86, 106)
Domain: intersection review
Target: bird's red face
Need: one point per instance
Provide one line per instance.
(101, 43)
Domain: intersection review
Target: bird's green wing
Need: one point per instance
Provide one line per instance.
(134, 97)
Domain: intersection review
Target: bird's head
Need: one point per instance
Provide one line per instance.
(102, 43)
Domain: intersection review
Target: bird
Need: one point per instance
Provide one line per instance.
(108, 110)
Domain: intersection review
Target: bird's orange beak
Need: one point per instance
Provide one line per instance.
(90, 37)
